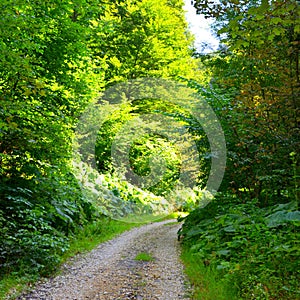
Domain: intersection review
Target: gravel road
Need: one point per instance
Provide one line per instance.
(111, 272)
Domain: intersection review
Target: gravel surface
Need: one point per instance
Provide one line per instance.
(110, 271)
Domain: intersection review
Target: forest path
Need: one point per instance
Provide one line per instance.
(110, 271)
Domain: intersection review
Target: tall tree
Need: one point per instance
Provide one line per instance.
(144, 38)
(260, 62)
(43, 68)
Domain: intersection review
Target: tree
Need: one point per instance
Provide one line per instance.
(46, 79)
(44, 85)
(260, 64)
(144, 38)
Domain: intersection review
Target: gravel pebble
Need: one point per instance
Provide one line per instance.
(110, 272)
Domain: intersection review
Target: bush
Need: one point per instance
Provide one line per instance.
(36, 218)
(256, 248)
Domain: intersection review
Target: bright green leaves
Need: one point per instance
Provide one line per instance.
(153, 147)
(146, 38)
(259, 69)
(247, 245)
(254, 23)
(143, 149)
(46, 79)
(106, 135)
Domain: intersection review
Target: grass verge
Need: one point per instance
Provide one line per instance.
(206, 281)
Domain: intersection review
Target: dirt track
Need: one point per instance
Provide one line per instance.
(111, 272)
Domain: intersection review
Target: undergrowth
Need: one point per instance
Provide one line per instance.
(255, 249)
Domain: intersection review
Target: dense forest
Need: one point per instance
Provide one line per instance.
(76, 77)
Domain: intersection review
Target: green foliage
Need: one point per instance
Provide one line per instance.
(106, 135)
(255, 248)
(46, 79)
(251, 149)
(44, 85)
(255, 89)
(118, 198)
(145, 38)
(149, 147)
(157, 147)
(250, 236)
(187, 199)
(37, 221)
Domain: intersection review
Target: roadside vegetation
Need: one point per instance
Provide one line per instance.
(245, 243)
(250, 251)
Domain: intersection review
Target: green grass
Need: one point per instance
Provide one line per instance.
(12, 284)
(143, 256)
(206, 282)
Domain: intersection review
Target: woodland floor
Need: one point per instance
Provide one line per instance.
(111, 272)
